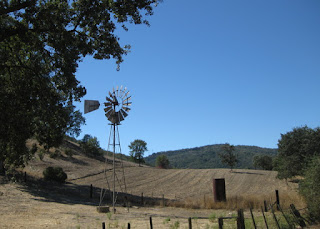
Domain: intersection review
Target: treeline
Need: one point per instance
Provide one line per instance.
(207, 157)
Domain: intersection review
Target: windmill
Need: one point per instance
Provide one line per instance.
(116, 109)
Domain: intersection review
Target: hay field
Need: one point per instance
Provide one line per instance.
(38, 204)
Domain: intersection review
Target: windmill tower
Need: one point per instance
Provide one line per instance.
(116, 109)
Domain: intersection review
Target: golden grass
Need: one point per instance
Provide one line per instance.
(237, 202)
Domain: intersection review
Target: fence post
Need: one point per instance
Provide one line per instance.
(128, 225)
(91, 191)
(151, 227)
(277, 199)
(265, 206)
(25, 176)
(163, 200)
(240, 220)
(142, 198)
(220, 222)
(103, 225)
(190, 223)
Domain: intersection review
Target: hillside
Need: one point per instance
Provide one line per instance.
(207, 157)
(69, 205)
(173, 183)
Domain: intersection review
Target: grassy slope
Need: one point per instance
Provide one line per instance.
(173, 183)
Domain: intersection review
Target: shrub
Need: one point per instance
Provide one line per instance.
(55, 154)
(69, 152)
(55, 174)
(41, 154)
(162, 162)
(310, 188)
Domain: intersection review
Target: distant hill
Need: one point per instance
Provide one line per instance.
(206, 157)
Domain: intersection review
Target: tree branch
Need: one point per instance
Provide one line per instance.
(17, 6)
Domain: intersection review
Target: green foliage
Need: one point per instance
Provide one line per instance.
(41, 154)
(263, 162)
(55, 154)
(162, 162)
(207, 157)
(55, 174)
(310, 187)
(68, 152)
(175, 225)
(228, 157)
(137, 149)
(91, 146)
(41, 44)
(212, 217)
(296, 148)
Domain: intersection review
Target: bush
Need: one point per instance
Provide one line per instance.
(162, 162)
(41, 154)
(69, 152)
(310, 188)
(55, 154)
(55, 174)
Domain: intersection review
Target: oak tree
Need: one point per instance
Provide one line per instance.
(41, 44)
(228, 157)
(137, 149)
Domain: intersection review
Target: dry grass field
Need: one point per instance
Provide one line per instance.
(38, 204)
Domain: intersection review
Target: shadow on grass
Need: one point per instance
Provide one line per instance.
(70, 193)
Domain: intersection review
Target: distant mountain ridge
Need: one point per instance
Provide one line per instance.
(206, 157)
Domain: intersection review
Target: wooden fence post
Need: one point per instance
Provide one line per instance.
(220, 222)
(91, 191)
(277, 199)
(128, 225)
(190, 223)
(240, 220)
(142, 198)
(151, 226)
(265, 206)
(163, 200)
(103, 225)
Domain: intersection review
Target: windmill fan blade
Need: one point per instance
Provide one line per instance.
(127, 99)
(108, 104)
(110, 100)
(127, 104)
(126, 94)
(120, 116)
(108, 114)
(124, 114)
(107, 109)
(126, 108)
(110, 94)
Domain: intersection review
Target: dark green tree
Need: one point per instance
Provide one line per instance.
(90, 146)
(41, 44)
(137, 149)
(263, 162)
(228, 157)
(162, 162)
(295, 150)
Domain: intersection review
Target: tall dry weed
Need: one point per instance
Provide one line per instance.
(237, 202)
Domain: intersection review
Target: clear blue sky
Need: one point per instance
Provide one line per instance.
(213, 71)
